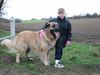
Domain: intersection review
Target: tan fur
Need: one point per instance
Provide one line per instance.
(30, 39)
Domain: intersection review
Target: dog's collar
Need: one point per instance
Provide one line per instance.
(41, 34)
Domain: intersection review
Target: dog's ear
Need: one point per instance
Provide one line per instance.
(47, 24)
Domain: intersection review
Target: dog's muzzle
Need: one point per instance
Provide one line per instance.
(57, 33)
(56, 30)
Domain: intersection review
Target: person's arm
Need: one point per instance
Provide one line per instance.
(69, 34)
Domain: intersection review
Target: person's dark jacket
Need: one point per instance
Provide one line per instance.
(64, 27)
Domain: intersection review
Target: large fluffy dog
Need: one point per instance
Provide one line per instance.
(32, 40)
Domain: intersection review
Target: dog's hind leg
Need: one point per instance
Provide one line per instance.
(27, 54)
(27, 51)
(21, 49)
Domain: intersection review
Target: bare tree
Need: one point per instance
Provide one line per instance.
(2, 6)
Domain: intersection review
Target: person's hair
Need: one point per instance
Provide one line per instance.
(61, 10)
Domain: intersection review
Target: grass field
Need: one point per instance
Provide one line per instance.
(89, 26)
(84, 57)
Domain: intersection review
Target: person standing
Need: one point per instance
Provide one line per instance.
(65, 36)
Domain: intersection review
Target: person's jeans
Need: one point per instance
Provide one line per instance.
(60, 44)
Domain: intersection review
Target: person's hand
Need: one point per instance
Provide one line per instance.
(68, 43)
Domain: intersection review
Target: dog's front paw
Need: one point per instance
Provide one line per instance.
(17, 61)
(46, 63)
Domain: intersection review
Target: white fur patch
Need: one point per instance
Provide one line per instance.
(6, 42)
(9, 44)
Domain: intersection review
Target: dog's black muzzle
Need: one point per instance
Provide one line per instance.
(56, 29)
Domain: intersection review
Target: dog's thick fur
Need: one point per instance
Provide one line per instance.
(30, 40)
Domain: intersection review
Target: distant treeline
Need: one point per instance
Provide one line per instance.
(87, 15)
(3, 20)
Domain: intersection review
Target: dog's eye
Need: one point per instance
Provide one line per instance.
(53, 26)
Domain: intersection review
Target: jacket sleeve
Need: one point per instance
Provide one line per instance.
(68, 33)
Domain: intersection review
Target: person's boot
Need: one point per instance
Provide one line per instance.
(58, 64)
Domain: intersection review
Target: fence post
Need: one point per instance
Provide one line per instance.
(12, 27)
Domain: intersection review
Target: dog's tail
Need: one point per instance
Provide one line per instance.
(10, 44)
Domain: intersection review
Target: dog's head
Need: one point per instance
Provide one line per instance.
(53, 27)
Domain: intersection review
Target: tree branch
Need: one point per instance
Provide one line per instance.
(1, 4)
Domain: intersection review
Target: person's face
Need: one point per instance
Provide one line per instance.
(61, 15)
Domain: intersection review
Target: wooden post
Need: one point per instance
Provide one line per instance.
(12, 27)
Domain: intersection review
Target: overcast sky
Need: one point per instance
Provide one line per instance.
(27, 9)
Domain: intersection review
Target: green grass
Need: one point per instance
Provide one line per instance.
(33, 21)
(76, 54)
(4, 33)
(79, 53)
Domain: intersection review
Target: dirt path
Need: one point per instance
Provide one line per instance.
(9, 69)
(52, 71)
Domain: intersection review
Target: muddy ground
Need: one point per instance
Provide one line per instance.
(72, 70)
